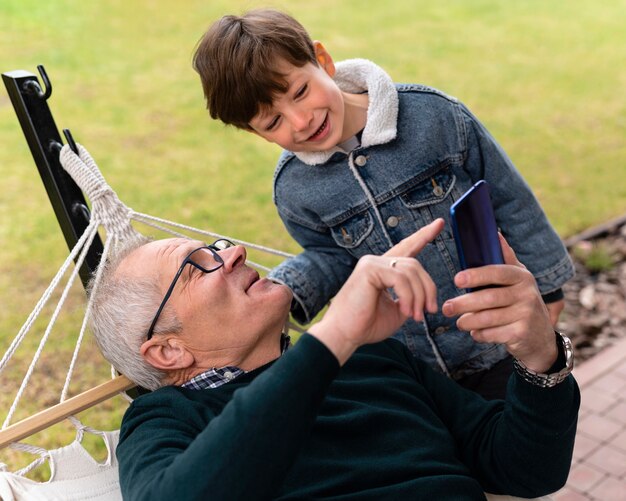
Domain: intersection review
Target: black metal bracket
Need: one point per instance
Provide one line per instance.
(30, 103)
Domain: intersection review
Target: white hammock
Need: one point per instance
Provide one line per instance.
(115, 218)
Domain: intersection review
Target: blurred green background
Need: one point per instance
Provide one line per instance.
(547, 78)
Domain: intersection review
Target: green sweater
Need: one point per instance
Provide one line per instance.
(384, 426)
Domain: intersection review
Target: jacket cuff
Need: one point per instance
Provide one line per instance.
(300, 289)
(553, 278)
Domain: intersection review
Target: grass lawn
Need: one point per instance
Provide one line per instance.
(546, 78)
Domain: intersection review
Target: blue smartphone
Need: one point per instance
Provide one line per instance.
(474, 227)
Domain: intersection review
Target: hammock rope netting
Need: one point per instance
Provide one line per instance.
(115, 218)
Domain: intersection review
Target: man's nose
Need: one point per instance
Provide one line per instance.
(233, 257)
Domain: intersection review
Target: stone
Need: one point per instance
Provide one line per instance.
(587, 296)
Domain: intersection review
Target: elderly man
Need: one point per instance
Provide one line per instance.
(343, 414)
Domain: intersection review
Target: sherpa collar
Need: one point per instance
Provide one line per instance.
(359, 75)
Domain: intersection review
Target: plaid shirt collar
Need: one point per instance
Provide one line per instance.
(216, 377)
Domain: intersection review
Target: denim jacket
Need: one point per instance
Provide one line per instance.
(420, 151)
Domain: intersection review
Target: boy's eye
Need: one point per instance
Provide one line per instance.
(272, 124)
(302, 90)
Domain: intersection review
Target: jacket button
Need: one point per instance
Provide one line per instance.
(347, 239)
(392, 221)
(361, 160)
(440, 330)
(438, 191)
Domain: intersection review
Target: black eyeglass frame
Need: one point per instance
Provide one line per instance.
(213, 248)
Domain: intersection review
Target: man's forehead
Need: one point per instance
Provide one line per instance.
(178, 245)
(161, 253)
(172, 246)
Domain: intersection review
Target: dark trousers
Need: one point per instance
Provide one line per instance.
(491, 384)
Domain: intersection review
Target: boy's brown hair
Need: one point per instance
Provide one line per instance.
(236, 60)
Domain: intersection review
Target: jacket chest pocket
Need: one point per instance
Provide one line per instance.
(352, 234)
(432, 199)
(433, 190)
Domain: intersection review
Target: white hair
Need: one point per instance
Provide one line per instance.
(121, 311)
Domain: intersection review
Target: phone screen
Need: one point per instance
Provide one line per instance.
(475, 229)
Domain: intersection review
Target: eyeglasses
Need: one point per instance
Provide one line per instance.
(211, 261)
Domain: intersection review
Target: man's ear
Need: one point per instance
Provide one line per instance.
(323, 58)
(167, 353)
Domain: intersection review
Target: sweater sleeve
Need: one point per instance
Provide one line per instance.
(244, 452)
(520, 446)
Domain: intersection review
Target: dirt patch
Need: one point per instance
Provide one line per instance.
(595, 299)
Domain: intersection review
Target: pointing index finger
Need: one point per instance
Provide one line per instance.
(413, 244)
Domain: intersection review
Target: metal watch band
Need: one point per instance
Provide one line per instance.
(549, 380)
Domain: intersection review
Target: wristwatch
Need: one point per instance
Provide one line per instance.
(566, 354)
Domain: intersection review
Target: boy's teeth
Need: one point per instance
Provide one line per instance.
(318, 131)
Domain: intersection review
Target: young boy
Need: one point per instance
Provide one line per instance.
(366, 163)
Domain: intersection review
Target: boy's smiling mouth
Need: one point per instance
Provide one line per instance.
(321, 131)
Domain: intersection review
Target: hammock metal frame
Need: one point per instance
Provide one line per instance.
(30, 102)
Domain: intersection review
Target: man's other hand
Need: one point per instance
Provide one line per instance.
(513, 313)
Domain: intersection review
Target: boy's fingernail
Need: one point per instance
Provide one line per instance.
(461, 279)
(447, 308)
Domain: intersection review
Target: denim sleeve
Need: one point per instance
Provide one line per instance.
(315, 275)
(521, 219)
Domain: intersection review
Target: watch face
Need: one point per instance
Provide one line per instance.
(568, 349)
